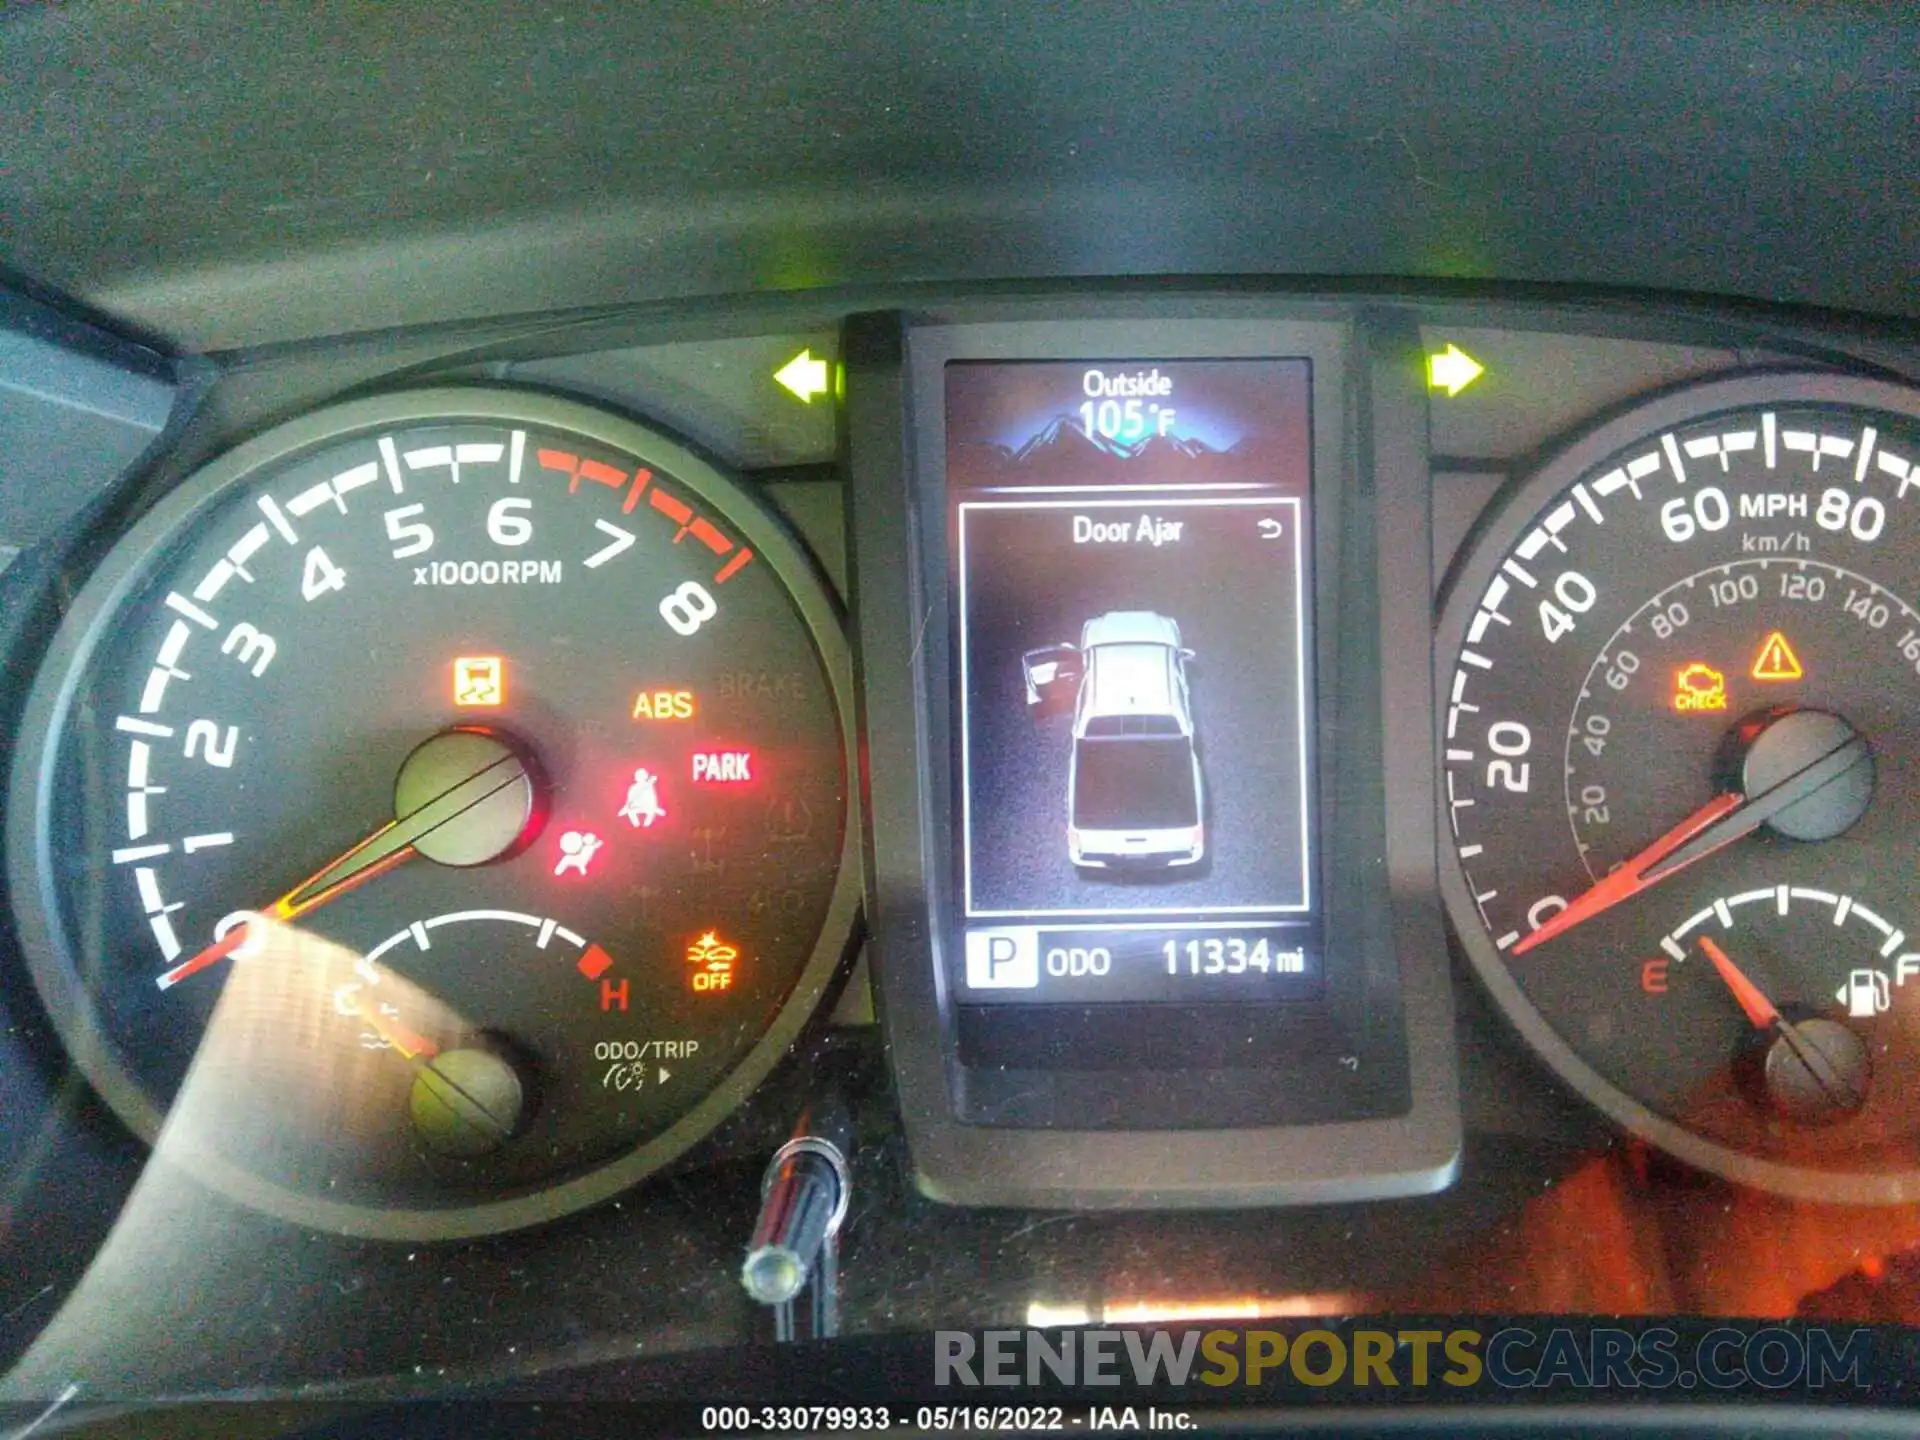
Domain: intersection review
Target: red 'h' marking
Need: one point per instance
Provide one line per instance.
(595, 963)
(640, 479)
(727, 570)
(561, 460)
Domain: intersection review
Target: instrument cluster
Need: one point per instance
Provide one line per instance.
(1111, 752)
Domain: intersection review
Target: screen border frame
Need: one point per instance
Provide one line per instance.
(1406, 1139)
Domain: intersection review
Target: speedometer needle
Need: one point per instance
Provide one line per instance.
(393, 843)
(1715, 825)
(1633, 876)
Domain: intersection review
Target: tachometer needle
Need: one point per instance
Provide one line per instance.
(1715, 825)
(387, 847)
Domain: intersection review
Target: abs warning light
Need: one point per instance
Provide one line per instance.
(1776, 660)
(1699, 687)
(479, 680)
(722, 767)
(662, 705)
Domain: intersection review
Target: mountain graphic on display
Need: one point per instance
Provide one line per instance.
(1064, 441)
(1172, 448)
(1062, 453)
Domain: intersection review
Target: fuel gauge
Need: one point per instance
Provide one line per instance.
(1681, 751)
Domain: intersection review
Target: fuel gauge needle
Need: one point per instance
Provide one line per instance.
(1760, 1011)
(1765, 1017)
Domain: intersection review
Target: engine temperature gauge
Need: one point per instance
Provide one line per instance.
(534, 700)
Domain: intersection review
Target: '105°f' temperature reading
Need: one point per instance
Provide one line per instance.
(1127, 408)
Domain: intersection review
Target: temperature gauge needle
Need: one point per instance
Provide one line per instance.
(480, 777)
(411, 1044)
(1715, 825)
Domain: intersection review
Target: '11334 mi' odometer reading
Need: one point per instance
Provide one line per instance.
(1682, 760)
(437, 812)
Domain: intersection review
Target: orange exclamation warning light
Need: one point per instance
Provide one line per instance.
(1776, 660)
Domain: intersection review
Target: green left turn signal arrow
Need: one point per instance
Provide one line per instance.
(805, 376)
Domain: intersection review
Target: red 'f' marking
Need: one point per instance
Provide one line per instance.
(710, 537)
(670, 507)
(640, 479)
(595, 963)
(727, 570)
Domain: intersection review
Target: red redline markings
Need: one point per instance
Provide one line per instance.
(702, 529)
(600, 474)
(595, 963)
(577, 469)
(675, 511)
(704, 532)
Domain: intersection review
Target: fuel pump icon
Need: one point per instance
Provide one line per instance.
(1865, 994)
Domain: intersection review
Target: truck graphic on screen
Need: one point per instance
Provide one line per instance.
(1135, 797)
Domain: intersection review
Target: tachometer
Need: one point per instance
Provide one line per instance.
(1681, 748)
(533, 716)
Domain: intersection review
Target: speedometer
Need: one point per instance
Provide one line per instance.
(1681, 748)
(440, 805)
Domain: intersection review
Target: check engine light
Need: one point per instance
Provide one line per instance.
(1699, 687)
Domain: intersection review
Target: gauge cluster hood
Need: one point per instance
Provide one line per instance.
(404, 174)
